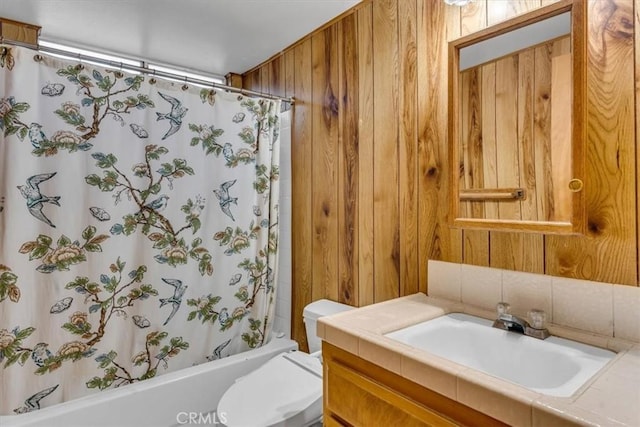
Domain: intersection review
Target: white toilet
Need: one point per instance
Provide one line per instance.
(285, 391)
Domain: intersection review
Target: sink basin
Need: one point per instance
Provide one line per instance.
(555, 366)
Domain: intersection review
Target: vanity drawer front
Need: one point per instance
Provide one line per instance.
(362, 401)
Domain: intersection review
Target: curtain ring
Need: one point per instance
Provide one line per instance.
(37, 57)
(185, 86)
(153, 80)
(79, 67)
(118, 73)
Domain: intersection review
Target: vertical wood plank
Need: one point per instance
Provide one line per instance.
(301, 190)
(526, 155)
(427, 191)
(608, 252)
(464, 161)
(507, 132)
(276, 76)
(385, 168)
(473, 17)
(542, 132)
(408, 148)
(265, 78)
(561, 136)
(348, 161)
(366, 257)
(513, 251)
(489, 149)
(253, 80)
(289, 63)
(636, 12)
(325, 168)
(440, 23)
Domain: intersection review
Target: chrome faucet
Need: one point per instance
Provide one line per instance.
(510, 322)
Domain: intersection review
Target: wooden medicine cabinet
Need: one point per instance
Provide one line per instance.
(517, 122)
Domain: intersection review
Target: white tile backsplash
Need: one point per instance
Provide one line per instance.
(583, 304)
(593, 307)
(525, 291)
(444, 280)
(626, 312)
(481, 286)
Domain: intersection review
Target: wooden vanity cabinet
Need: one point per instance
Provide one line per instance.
(357, 392)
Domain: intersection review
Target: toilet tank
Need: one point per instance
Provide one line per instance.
(310, 315)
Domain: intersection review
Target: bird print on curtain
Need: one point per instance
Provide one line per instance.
(139, 229)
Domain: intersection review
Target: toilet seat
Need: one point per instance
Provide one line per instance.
(287, 390)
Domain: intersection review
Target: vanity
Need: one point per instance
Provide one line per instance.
(372, 378)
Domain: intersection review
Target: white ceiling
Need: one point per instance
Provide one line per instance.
(209, 36)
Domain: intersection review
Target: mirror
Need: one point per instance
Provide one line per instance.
(517, 115)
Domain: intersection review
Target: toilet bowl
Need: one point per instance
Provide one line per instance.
(285, 391)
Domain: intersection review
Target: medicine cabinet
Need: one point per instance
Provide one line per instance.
(517, 117)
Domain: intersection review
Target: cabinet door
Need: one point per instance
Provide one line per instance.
(361, 401)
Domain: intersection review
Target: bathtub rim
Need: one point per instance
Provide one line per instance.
(274, 347)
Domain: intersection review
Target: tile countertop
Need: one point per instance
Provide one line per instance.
(611, 398)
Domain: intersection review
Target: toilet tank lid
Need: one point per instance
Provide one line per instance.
(324, 307)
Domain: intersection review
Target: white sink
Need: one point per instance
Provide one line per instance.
(555, 366)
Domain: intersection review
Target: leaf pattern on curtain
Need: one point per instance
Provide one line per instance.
(138, 227)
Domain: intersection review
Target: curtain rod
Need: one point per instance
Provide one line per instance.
(144, 70)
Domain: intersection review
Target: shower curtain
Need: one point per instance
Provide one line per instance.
(138, 227)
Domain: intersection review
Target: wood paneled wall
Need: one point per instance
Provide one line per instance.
(369, 153)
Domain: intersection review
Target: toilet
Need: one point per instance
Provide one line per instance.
(285, 391)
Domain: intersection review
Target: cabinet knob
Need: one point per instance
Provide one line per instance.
(575, 185)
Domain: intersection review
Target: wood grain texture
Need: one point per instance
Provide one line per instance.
(636, 10)
(561, 136)
(19, 31)
(385, 135)
(608, 252)
(408, 148)
(265, 78)
(275, 78)
(366, 255)
(406, 397)
(233, 80)
(489, 149)
(301, 191)
(542, 132)
(348, 161)
(253, 81)
(507, 132)
(383, 119)
(541, 113)
(526, 152)
(435, 30)
(426, 157)
(514, 251)
(475, 244)
(324, 168)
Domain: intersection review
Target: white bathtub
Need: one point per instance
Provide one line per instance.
(185, 397)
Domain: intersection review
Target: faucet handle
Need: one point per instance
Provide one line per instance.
(537, 318)
(503, 308)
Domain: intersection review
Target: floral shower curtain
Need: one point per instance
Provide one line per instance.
(138, 227)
